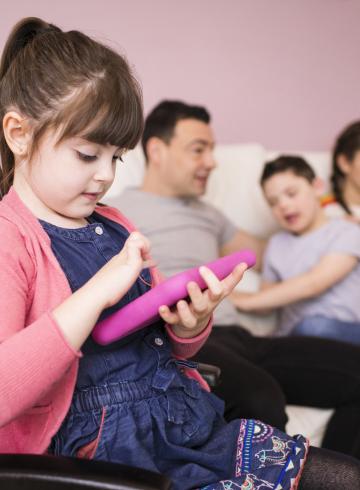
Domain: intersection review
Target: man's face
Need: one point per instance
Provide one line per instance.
(187, 160)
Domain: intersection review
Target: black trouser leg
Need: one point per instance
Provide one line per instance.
(343, 432)
(248, 391)
(319, 373)
(310, 371)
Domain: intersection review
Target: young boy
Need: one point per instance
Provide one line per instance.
(311, 269)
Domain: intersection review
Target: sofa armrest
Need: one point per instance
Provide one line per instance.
(28, 472)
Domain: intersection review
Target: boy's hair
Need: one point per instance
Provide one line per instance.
(347, 144)
(287, 163)
(69, 82)
(162, 120)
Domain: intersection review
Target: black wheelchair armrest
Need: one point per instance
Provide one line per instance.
(210, 373)
(33, 472)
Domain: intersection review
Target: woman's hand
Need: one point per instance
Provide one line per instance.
(189, 319)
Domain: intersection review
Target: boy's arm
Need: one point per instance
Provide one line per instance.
(242, 239)
(240, 297)
(266, 285)
(331, 269)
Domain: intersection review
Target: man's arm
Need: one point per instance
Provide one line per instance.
(331, 269)
(242, 239)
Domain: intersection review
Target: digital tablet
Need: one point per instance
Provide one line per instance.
(144, 310)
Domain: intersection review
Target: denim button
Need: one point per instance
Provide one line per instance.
(158, 341)
(99, 230)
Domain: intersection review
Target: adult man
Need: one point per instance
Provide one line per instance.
(259, 375)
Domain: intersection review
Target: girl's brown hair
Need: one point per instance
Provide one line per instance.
(68, 81)
(347, 144)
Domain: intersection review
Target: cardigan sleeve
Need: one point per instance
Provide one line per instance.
(185, 348)
(34, 358)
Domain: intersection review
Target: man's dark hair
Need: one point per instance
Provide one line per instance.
(287, 163)
(162, 120)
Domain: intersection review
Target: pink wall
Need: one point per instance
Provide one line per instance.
(284, 73)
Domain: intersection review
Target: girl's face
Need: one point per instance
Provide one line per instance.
(351, 170)
(66, 180)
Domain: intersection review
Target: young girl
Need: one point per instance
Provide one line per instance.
(345, 177)
(69, 108)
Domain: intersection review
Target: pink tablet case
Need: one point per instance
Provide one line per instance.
(143, 311)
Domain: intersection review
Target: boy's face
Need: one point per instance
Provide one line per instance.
(294, 201)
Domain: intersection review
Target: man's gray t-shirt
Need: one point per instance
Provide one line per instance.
(289, 255)
(184, 233)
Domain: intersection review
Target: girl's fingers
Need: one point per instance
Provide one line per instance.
(168, 316)
(219, 289)
(138, 247)
(198, 299)
(234, 278)
(202, 303)
(215, 288)
(147, 264)
(182, 316)
(187, 318)
(138, 241)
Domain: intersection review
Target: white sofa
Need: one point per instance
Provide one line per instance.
(234, 188)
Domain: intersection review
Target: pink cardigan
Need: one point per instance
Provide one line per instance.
(38, 368)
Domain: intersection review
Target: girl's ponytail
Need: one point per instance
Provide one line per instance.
(66, 80)
(22, 34)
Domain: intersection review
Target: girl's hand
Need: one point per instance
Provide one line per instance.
(116, 277)
(77, 315)
(189, 319)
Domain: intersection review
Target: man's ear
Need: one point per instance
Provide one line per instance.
(17, 133)
(343, 163)
(155, 148)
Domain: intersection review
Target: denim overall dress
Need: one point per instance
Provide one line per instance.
(133, 405)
